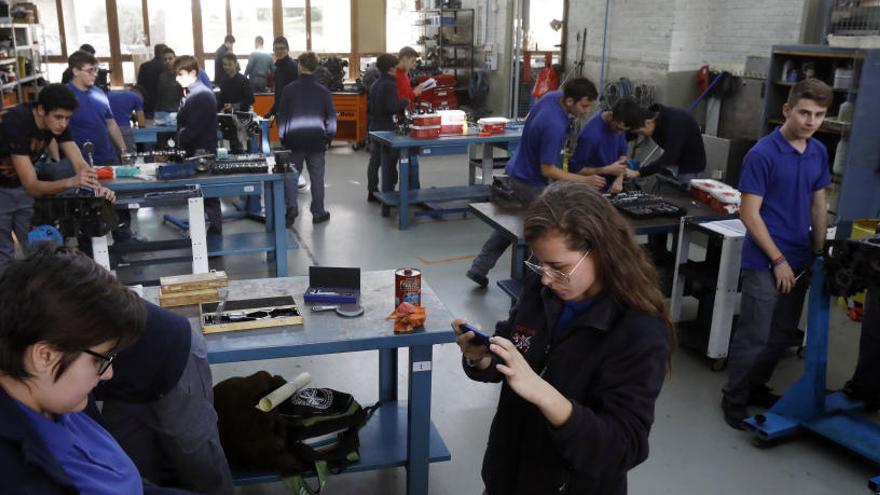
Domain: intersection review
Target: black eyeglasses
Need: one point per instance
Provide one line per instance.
(106, 360)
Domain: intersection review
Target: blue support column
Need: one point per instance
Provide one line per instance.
(403, 185)
(385, 185)
(419, 421)
(280, 228)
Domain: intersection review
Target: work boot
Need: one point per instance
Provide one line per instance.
(321, 217)
(762, 396)
(477, 278)
(734, 414)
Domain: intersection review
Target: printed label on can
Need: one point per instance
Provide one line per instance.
(408, 287)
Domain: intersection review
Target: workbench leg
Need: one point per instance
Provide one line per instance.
(403, 211)
(681, 257)
(419, 420)
(280, 229)
(268, 209)
(472, 169)
(101, 251)
(386, 184)
(488, 164)
(387, 375)
(725, 297)
(197, 237)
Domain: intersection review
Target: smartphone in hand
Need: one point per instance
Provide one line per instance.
(480, 338)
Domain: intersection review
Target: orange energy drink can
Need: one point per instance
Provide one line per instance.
(407, 286)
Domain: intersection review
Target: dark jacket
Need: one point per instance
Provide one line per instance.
(306, 116)
(167, 96)
(151, 367)
(286, 71)
(26, 464)
(610, 362)
(219, 74)
(679, 134)
(197, 120)
(237, 91)
(148, 78)
(383, 104)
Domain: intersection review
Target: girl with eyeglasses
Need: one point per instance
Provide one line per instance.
(582, 356)
(62, 320)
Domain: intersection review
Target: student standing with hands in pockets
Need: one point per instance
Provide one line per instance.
(582, 356)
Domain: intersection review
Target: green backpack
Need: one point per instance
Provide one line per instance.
(315, 430)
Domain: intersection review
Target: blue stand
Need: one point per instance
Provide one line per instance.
(807, 405)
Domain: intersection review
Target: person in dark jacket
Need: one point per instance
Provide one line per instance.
(306, 124)
(678, 133)
(219, 74)
(197, 125)
(382, 105)
(49, 362)
(159, 406)
(166, 97)
(235, 90)
(148, 78)
(582, 356)
(286, 71)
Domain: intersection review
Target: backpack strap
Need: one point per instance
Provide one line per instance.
(298, 485)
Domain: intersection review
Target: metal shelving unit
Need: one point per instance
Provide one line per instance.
(447, 41)
(26, 58)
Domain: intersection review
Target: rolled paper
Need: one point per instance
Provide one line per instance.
(284, 392)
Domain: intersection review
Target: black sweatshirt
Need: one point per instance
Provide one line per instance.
(237, 91)
(286, 71)
(610, 362)
(148, 78)
(383, 103)
(679, 134)
(197, 120)
(306, 116)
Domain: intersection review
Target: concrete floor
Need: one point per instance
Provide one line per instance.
(692, 450)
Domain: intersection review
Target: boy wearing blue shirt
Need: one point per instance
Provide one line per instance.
(783, 208)
(537, 159)
(93, 120)
(123, 104)
(601, 146)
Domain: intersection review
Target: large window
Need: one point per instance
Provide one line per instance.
(213, 25)
(294, 12)
(541, 34)
(131, 25)
(49, 18)
(251, 18)
(171, 23)
(86, 22)
(400, 25)
(331, 26)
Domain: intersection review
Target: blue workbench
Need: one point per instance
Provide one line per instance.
(275, 240)
(389, 140)
(398, 434)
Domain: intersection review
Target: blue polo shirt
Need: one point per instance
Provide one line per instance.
(542, 140)
(122, 104)
(92, 459)
(786, 179)
(598, 146)
(89, 123)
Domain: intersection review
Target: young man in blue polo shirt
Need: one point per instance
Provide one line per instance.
(93, 120)
(783, 208)
(601, 146)
(197, 125)
(538, 159)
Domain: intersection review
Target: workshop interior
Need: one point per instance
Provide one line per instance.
(262, 247)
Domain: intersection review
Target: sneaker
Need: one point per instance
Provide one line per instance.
(290, 216)
(734, 414)
(321, 217)
(477, 278)
(301, 183)
(371, 198)
(872, 404)
(762, 396)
